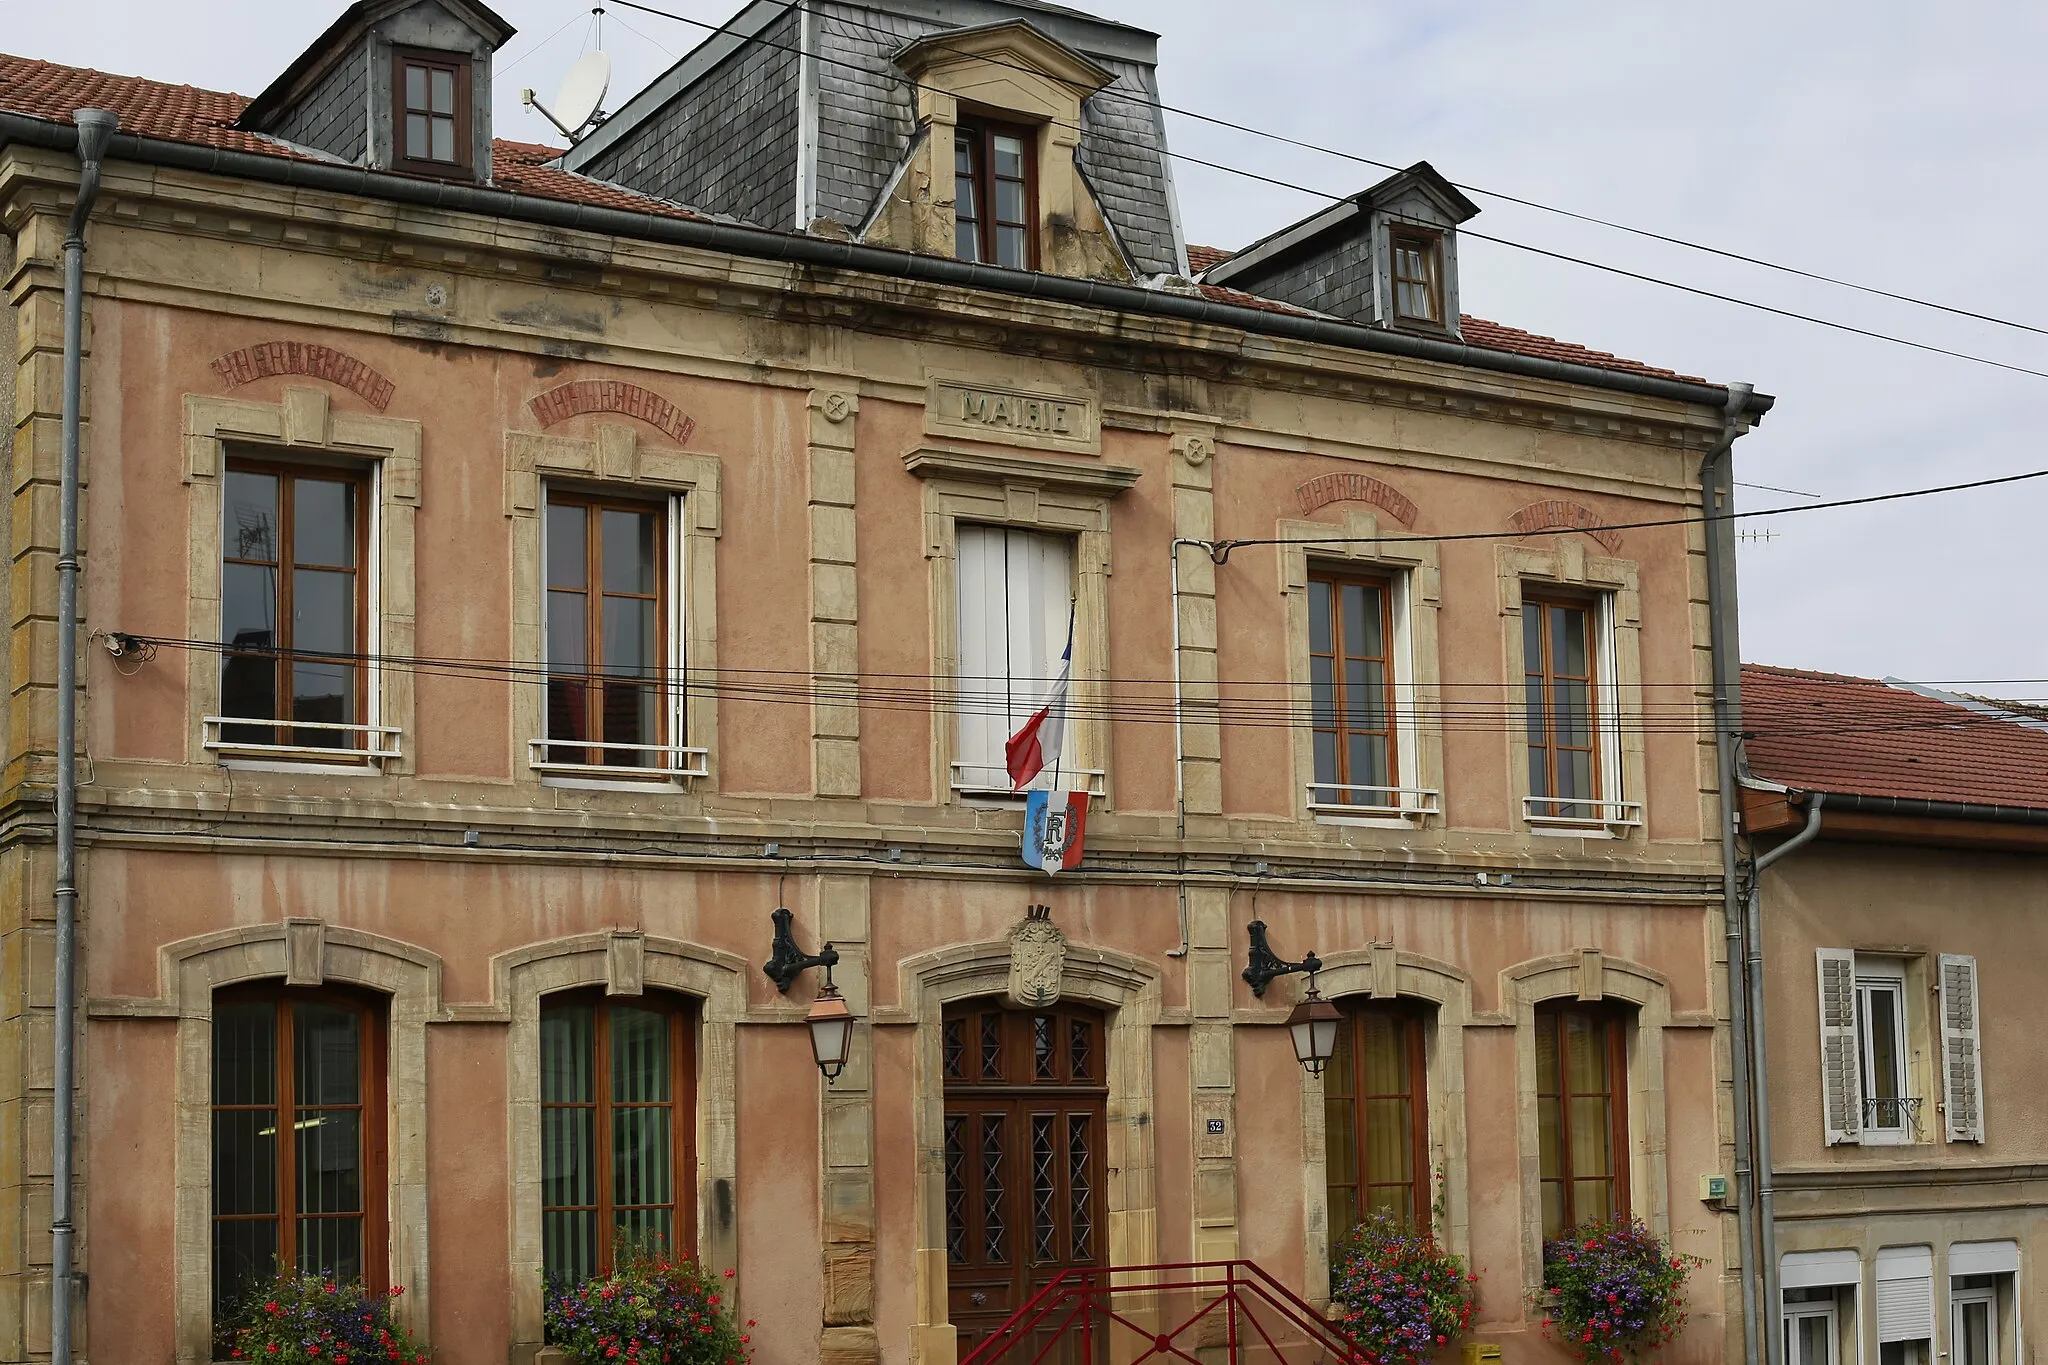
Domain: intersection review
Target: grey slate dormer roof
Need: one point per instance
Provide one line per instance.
(744, 126)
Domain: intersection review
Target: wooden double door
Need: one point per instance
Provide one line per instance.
(1025, 1099)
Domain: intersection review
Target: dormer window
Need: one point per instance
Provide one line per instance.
(1418, 275)
(993, 193)
(432, 121)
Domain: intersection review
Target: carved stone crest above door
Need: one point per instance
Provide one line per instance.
(1038, 954)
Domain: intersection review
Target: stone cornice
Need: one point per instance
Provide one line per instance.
(318, 223)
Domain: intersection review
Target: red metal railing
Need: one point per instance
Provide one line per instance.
(1200, 1312)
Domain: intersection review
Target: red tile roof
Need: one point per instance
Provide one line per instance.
(182, 113)
(1832, 733)
(205, 118)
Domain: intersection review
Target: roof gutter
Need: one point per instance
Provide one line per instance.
(1844, 802)
(762, 243)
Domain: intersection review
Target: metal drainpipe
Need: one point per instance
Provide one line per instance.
(1767, 1224)
(95, 128)
(1724, 674)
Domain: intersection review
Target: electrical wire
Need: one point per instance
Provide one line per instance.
(1143, 102)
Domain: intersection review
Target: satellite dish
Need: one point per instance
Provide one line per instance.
(582, 91)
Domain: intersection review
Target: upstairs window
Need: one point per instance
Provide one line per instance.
(431, 129)
(1014, 605)
(993, 194)
(1351, 692)
(608, 628)
(1418, 275)
(1881, 1031)
(292, 611)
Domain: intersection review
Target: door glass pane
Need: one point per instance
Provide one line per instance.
(244, 1052)
(1389, 1150)
(568, 1157)
(1369, 768)
(1553, 1208)
(330, 1165)
(568, 1043)
(1881, 1028)
(642, 1156)
(627, 541)
(1550, 1136)
(244, 1251)
(568, 1245)
(1568, 641)
(1340, 1140)
(250, 531)
(650, 1230)
(1318, 617)
(1591, 1142)
(1081, 1186)
(323, 611)
(1592, 1201)
(1009, 156)
(629, 637)
(1322, 690)
(249, 609)
(245, 1161)
(329, 1060)
(1585, 1042)
(995, 1228)
(640, 1064)
(1975, 1339)
(1043, 1188)
(1811, 1337)
(956, 1188)
(1010, 247)
(324, 523)
(568, 548)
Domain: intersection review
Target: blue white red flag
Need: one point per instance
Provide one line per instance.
(1053, 825)
(1037, 743)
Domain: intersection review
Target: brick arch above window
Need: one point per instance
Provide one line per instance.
(580, 396)
(1562, 514)
(269, 358)
(1325, 489)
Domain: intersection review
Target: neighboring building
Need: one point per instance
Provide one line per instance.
(1903, 947)
(512, 576)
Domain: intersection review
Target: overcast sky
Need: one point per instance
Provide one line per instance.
(1898, 145)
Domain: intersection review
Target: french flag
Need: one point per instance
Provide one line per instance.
(1036, 745)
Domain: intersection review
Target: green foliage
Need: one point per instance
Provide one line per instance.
(1397, 1293)
(652, 1310)
(1620, 1291)
(312, 1320)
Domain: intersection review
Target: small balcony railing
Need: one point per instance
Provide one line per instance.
(617, 762)
(1585, 812)
(985, 783)
(1893, 1113)
(1374, 803)
(353, 744)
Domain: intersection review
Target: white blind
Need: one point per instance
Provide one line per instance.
(1015, 592)
(1905, 1294)
(1984, 1258)
(1814, 1269)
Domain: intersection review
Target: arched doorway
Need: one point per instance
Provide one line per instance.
(1026, 1093)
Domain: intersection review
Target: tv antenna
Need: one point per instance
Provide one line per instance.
(1763, 537)
(582, 92)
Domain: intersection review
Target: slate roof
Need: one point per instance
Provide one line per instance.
(184, 113)
(1833, 733)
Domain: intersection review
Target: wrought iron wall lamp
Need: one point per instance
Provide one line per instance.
(830, 1020)
(1312, 1025)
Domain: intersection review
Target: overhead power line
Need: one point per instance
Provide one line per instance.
(1144, 102)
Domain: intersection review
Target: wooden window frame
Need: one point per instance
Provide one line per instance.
(683, 1017)
(984, 133)
(1614, 1024)
(1337, 580)
(460, 65)
(592, 750)
(1414, 1022)
(283, 655)
(371, 1078)
(1558, 807)
(1431, 245)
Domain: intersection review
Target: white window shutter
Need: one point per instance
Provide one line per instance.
(1841, 1084)
(1962, 1066)
(1014, 590)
